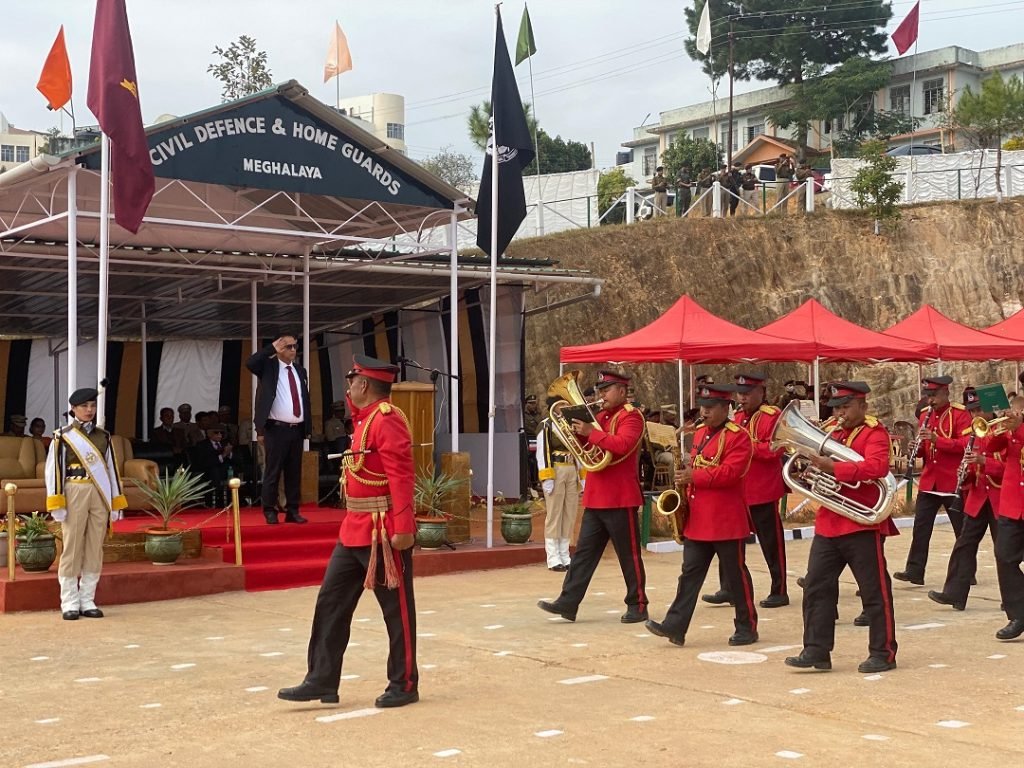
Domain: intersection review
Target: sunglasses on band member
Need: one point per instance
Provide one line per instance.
(291, 346)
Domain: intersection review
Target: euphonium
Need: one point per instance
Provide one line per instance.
(567, 389)
(802, 439)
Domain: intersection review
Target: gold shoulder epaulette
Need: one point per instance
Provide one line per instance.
(958, 406)
(385, 408)
(967, 431)
(628, 408)
(871, 421)
(769, 409)
(732, 426)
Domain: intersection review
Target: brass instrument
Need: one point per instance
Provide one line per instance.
(567, 389)
(915, 447)
(981, 427)
(675, 506)
(802, 439)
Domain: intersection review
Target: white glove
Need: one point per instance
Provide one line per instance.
(60, 515)
(548, 486)
(583, 484)
(116, 515)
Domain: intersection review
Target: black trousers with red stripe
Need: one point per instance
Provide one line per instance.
(963, 560)
(697, 557)
(622, 527)
(772, 538)
(332, 621)
(1009, 554)
(864, 553)
(925, 511)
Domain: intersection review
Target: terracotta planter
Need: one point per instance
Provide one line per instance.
(431, 532)
(163, 547)
(36, 556)
(516, 529)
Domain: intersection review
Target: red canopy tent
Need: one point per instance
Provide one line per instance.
(949, 340)
(839, 340)
(1011, 328)
(689, 333)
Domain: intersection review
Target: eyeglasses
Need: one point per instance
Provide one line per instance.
(291, 346)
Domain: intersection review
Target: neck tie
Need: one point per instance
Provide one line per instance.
(294, 387)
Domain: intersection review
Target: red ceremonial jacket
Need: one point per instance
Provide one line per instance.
(941, 460)
(763, 482)
(386, 469)
(718, 510)
(1011, 495)
(983, 482)
(618, 484)
(870, 440)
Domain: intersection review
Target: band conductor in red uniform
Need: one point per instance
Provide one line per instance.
(374, 550)
(611, 497)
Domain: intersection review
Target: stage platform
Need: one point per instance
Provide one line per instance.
(282, 556)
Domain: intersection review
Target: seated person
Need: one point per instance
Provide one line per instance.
(37, 429)
(212, 458)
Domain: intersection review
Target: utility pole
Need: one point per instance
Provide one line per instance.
(731, 59)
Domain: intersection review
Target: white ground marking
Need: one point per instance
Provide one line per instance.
(929, 625)
(363, 621)
(643, 634)
(87, 680)
(154, 705)
(494, 626)
(579, 645)
(938, 666)
(70, 761)
(503, 653)
(917, 599)
(778, 648)
(875, 737)
(421, 634)
(584, 679)
(215, 637)
(285, 629)
(642, 719)
(732, 702)
(347, 715)
(707, 626)
(952, 724)
(1020, 708)
(48, 720)
(426, 613)
(872, 677)
(559, 618)
(613, 610)
(257, 689)
(997, 656)
(350, 677)
(428, 666)
(548, 734)
(733, 657)
(39, 658)
(789, 755)
(448, 753)
(488, 605)
(599, 594)
(800, 691)
(356, 645)
(133, 645)
(270, 654)
(187, 665)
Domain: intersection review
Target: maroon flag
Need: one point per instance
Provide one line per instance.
(906, 33)
(114, 99)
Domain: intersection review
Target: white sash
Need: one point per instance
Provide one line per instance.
(87, 454)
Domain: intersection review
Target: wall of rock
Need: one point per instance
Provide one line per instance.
(966, 259)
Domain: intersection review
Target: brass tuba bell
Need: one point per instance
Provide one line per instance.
(567, 389)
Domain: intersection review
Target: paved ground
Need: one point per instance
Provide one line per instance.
(192, 683)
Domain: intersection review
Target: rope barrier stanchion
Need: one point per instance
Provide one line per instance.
(10, 489)
(234, 484)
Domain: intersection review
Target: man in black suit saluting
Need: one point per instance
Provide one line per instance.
(282, 422)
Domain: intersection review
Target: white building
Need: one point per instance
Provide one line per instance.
(941, 76)
(18, 146)
(383, 114)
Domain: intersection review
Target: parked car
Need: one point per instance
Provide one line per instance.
(914, 149)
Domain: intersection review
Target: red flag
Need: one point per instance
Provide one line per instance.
(906, 33)
(55, 80)
(114, 99)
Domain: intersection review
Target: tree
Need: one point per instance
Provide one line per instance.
(993, 113)
(874, 185)
(457, 169)
(242, 69)
(479, 122)
(1015, 144)
(697, 154)
(788, 44)
(610, 187)
(558, 155)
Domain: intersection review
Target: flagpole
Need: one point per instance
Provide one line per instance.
(101, 319)
(495, 170)
(536, 146)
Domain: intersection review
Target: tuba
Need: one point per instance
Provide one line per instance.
(567, 389)
(801, 438)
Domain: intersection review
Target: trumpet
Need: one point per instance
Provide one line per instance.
(981, 427)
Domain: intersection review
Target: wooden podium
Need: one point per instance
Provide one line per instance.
(417, 403)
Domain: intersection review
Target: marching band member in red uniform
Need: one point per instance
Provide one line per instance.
(943, 429)
(375, 544)
(718, 522)
(839, 541)
(762, 487)
(611, 498)
(1010, 536)
(981, 508)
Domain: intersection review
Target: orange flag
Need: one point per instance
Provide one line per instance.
(339, 58)
(55, 80)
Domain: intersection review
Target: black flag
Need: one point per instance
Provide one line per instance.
(515, 152)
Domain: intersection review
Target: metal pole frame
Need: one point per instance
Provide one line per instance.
(104, 278)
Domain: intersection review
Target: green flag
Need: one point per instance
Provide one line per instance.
(525, 47)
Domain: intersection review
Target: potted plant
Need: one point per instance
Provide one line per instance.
(37, 547)
(169, 495)
(517, 521)
(430, 494)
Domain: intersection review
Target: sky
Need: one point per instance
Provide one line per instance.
(602, 66)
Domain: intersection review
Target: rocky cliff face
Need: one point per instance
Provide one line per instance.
(966, 259)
